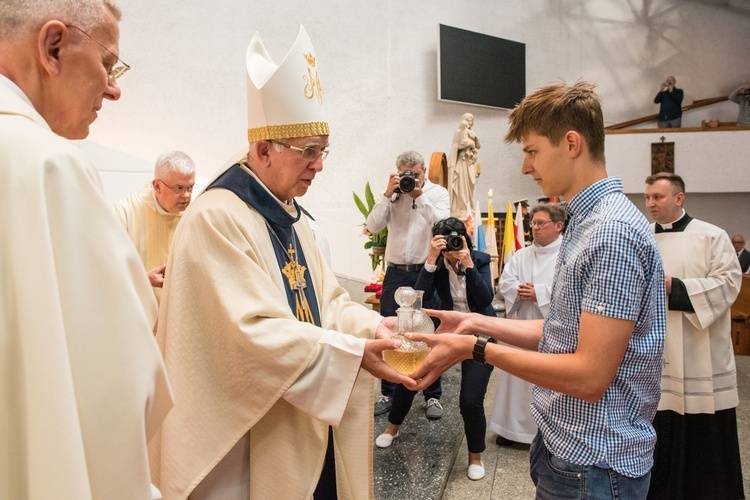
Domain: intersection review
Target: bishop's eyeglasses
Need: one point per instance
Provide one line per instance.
(308, 153)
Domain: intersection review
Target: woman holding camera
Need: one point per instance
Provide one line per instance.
(461, 278)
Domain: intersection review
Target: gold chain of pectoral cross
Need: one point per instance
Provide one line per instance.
(295, 274)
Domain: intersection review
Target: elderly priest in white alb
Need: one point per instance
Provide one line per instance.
(82, 384)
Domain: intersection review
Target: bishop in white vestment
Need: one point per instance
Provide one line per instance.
(270, 359)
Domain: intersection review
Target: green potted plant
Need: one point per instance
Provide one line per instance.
(376, 242)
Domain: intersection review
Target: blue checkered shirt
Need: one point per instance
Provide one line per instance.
(608, 264)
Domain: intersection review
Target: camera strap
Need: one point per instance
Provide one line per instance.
(461, 271)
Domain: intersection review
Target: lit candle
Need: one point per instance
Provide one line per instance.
(489, 194)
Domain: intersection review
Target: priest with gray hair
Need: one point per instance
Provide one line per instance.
(83, 386)
(150, 215)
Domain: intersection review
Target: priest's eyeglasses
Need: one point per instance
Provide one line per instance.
(115, 72)
(539, 223)
(179, 190)
(309, 153)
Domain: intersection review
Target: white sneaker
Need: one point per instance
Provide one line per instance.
(476, 472)
(385, 440)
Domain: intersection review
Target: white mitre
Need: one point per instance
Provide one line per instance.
(284, 101)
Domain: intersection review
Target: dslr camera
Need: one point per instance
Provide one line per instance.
(407, 181)
(453, 241)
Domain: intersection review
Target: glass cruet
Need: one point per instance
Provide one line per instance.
(410, 318)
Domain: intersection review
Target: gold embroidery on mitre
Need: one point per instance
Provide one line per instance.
(312, 88)
(289, 131)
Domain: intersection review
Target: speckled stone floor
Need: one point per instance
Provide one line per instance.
(420, 460)
(428, 460)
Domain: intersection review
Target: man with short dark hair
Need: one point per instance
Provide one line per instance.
(669, 100)
(697, 453)
(83, 386)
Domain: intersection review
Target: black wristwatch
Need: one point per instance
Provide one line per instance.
(478, 351)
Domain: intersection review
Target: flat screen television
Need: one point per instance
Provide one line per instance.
(480, 69)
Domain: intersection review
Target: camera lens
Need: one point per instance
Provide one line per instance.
(453, 242)
(407, 182)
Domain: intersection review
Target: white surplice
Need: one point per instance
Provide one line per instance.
(82, 384)
(511, 417)
(699, 373)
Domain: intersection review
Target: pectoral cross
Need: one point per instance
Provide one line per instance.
(294, 272)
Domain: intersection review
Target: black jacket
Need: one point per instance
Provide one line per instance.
(479, 292)
(744, 257)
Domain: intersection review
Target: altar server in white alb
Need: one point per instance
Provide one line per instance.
(697, 452)
(82, 384)
(268, 356)
(526, 286)
(150, 215)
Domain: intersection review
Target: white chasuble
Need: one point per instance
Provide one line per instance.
(243, 367)
(82, 384)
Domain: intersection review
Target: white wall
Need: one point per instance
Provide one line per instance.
(708, 162)
(378, 68)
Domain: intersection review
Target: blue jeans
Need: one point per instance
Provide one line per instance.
(557, 479)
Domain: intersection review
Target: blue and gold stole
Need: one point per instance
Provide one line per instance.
(300, 292)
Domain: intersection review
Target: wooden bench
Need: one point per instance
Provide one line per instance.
(741, 319)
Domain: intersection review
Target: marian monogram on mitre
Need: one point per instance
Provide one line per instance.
(312, 88)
